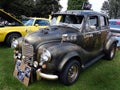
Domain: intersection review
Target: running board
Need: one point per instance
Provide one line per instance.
(93, 61)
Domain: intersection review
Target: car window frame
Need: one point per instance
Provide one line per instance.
(97, 28)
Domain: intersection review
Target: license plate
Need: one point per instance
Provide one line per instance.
(22, 72)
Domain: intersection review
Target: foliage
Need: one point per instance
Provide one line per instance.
(105, 7)
(45, 7)
(36, 8)
(103, 75)
(75, 4)
(21, 7)
(112, 7)
(5, 3)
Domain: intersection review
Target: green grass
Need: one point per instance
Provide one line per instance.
(103, 75)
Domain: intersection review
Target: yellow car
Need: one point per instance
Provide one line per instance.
(12, 28)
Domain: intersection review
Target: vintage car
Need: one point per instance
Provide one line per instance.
(77, 40)
(12, 28)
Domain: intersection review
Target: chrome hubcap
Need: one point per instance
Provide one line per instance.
(73, 73)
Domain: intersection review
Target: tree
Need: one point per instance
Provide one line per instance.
(112, 7)
(45, 7)
(114, 11)
(75, 4)
(21, 7)
(5, 3)
(36, 8)
(105, 7)
(18, 7)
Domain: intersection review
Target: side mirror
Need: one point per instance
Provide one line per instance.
(93, 27)
(36, 25)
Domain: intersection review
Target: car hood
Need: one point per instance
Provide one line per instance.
(54, 33)
(9, 17)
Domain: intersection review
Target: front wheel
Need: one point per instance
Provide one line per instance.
(111, 52)
(11, 38)
(70, 72)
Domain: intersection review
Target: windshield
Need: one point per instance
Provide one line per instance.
(71, 20)
(29, 22)
(42, 22)
(24, 21)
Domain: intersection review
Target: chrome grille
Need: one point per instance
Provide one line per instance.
(27, 53)
(27, 50)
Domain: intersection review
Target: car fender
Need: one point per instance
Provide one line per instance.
(112, 40)
(66, 58)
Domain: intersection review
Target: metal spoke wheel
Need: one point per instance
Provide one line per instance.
(73, 72)
(70, 72)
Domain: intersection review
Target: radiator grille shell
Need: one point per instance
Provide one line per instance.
(28, 53)
(27, 50)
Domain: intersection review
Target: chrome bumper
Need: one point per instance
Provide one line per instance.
(47, 76)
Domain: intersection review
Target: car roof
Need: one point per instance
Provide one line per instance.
(114, 19)
(81, 12)
(38, 18)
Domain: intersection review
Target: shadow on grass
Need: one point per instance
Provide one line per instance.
(3, 45)
(45, 84)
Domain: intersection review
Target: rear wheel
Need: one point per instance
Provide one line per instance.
(11, 38)
(111, 52)
(70, 72)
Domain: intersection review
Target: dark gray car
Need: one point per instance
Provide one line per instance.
(79, 39)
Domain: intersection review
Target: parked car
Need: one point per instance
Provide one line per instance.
(115, 29)
(79, 39)
(12, 28)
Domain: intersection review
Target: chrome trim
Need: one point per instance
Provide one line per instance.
(47, 76)
(27, 52)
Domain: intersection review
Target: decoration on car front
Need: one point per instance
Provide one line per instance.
(86, 6)
(22, 72)
(69, 37)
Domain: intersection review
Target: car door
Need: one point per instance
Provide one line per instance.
(91, 42)
(104, 29)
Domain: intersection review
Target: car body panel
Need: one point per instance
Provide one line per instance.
(23, 30)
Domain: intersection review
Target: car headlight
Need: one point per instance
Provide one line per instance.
(14, 44)
(45, 56)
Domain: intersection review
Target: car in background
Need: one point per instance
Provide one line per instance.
(115, 29)
(35, 21)
(11, 28)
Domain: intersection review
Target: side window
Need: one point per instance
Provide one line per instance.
(102, 21)
(92, 23)
(42, 22)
